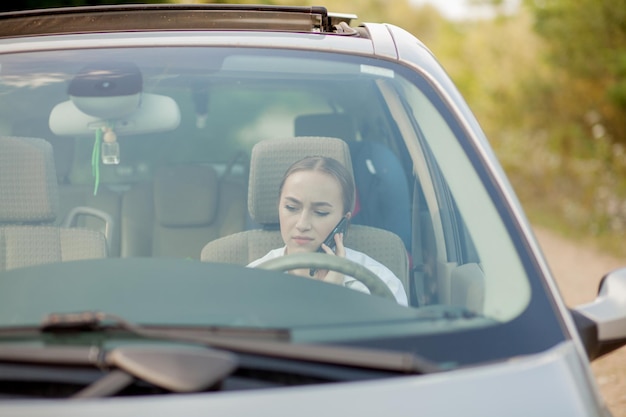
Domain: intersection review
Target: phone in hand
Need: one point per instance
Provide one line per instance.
(330, 239)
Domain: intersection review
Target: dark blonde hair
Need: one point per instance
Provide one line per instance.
(328, 166)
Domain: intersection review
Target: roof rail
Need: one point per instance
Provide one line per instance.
(146, 17)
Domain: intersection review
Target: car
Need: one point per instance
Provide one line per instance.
(143, 160)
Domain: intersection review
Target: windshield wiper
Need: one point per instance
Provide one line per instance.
(93, 321)
(384, 360)
(174, 369)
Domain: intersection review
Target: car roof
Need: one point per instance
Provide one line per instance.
(151, 17)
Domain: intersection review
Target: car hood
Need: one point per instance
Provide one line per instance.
(553, 383)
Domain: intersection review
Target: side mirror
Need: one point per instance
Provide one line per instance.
(602, 323)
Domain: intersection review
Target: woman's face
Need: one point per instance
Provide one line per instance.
(310, 207)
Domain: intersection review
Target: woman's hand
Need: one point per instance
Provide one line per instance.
(333, 276)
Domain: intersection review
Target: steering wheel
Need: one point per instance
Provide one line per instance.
(332, 263)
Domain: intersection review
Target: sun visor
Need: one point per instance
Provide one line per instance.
(153, 113)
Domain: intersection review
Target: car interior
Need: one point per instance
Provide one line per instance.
(163, 195)
(270, 159)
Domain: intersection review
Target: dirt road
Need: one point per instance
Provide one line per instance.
(578, 270)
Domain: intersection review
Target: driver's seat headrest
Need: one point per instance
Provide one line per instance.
(269, 161)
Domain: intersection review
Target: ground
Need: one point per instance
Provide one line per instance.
(578, 270)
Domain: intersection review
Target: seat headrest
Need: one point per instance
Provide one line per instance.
(334, 125)
(269, 162)
(175, 184)
(28, 182)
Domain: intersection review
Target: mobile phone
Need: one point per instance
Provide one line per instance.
(330, 239)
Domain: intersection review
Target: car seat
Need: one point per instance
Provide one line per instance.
(78, 206)
(185, 206)
(29, 206)
(382, 188)
(269, 161)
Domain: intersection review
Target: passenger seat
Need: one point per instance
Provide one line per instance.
(29, 204)
(78, 206)
(180, 211)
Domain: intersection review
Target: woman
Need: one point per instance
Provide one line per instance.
(314, 195)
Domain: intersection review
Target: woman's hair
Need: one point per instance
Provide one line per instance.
(328, 166)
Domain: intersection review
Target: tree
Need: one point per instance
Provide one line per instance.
(587, 51)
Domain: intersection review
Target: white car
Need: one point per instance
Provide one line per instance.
(142, 149)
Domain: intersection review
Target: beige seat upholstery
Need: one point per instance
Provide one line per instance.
(183, 208)
(101, 212)
(78, 206)
(269, 161)
(29, 206)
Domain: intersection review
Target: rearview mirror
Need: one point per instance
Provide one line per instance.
(156, 113)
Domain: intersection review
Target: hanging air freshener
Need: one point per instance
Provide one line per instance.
(110, 148)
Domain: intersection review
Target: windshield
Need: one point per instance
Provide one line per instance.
(151, 183)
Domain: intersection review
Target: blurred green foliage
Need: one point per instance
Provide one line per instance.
(547, 84)
(587, 41)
